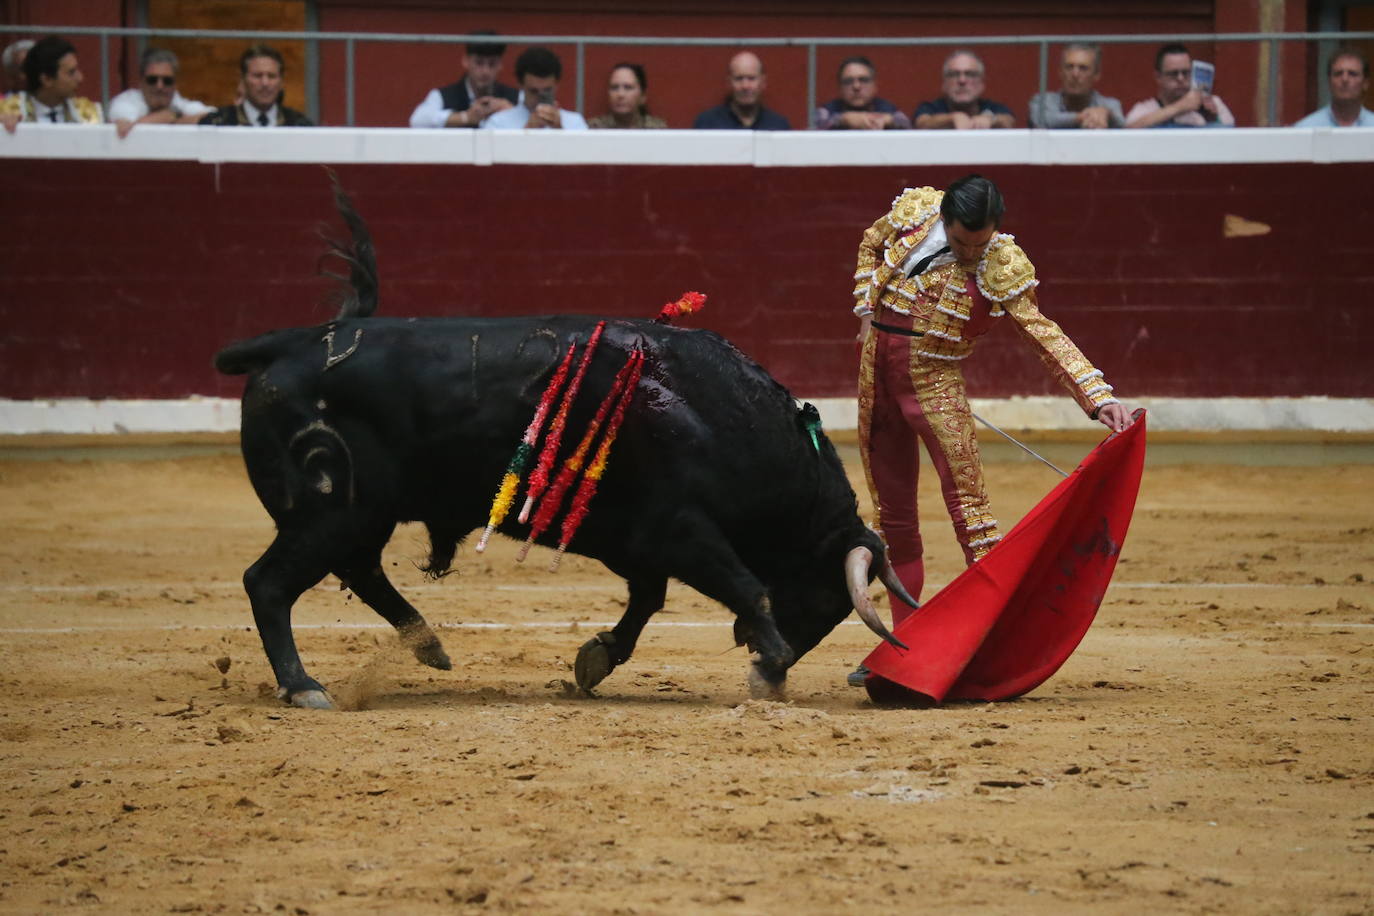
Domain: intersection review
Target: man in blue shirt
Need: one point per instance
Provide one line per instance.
(1348, 75)
(743, 108)
(962, 106)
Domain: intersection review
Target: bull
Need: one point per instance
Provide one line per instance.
(718, 478)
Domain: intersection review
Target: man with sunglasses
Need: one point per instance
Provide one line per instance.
(156, 100)
(962, 106)
(858, 106)
(1179, 103)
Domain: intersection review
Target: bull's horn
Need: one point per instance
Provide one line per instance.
(888, 576)
(856, 565)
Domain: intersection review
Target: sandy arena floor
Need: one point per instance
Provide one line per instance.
(1208, 749)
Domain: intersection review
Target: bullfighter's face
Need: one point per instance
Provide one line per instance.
(968, 245)
(68, 78)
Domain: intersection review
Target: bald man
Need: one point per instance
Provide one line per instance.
(743, 108)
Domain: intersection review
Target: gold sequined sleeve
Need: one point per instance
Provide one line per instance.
(1059, 354)
(870, 258)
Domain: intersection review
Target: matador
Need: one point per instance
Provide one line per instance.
(934, 274)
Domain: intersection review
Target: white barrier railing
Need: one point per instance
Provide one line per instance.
(382, 145)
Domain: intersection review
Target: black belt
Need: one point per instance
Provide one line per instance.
(893, 329)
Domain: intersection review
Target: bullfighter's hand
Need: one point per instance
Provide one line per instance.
(1115, 417)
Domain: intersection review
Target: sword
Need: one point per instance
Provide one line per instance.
(1019, 445)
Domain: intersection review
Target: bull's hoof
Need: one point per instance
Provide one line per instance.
(432, 653)
(594, 661)
(767, 684)
(307, 699)
(426, 646)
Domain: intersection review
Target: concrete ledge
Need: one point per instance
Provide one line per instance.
(1344, 417)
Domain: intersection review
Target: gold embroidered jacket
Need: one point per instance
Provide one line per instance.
(940, 305)
(75, 111)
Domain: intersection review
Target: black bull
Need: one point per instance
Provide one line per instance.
(716, 479)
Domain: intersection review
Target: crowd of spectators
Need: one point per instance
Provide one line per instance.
(43, 78)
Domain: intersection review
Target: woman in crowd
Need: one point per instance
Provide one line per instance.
(627, 99)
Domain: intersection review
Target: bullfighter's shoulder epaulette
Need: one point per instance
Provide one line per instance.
(913, 207)
(87, 111)
(1005, 271)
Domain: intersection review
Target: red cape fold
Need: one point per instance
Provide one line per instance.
(1007, 623)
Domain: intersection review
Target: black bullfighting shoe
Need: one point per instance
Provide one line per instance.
(857, 676)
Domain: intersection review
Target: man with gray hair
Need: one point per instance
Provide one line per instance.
(961, 105)
(156, 100)
(1077, 103)
(13, 60)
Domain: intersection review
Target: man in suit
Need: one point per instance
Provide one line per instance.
(263, 71)
(472, 99)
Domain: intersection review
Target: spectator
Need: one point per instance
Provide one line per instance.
(1077, 103)
(13, 60)
(157, 100)
(475, 97)
(962, 106)
(53, 75)
(538, 71)
(1348, 76)
(628, 102)
(858, 106)
(262, 70)
(743, 108)
(1178, 103)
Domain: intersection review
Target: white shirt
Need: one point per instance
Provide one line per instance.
(130, 105)
(66, 114)
(252, 114)
(935, 240)
(432, 113)
(517, 117)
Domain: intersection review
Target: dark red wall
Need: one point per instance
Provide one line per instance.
(122, 278)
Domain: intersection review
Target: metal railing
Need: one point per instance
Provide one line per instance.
(580, 43)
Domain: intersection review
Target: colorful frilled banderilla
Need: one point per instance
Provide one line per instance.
(614, 405)
(617, 399)
(539, 477)
(505, 494)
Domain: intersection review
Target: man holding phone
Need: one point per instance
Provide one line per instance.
(1179, 103)
(538, 71)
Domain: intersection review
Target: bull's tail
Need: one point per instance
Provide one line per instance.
(246, 356)
(357, 294)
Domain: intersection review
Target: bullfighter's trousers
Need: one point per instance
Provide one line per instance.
(905, 399)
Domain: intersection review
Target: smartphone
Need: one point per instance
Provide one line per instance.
(545, 97)
(1203, 76)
